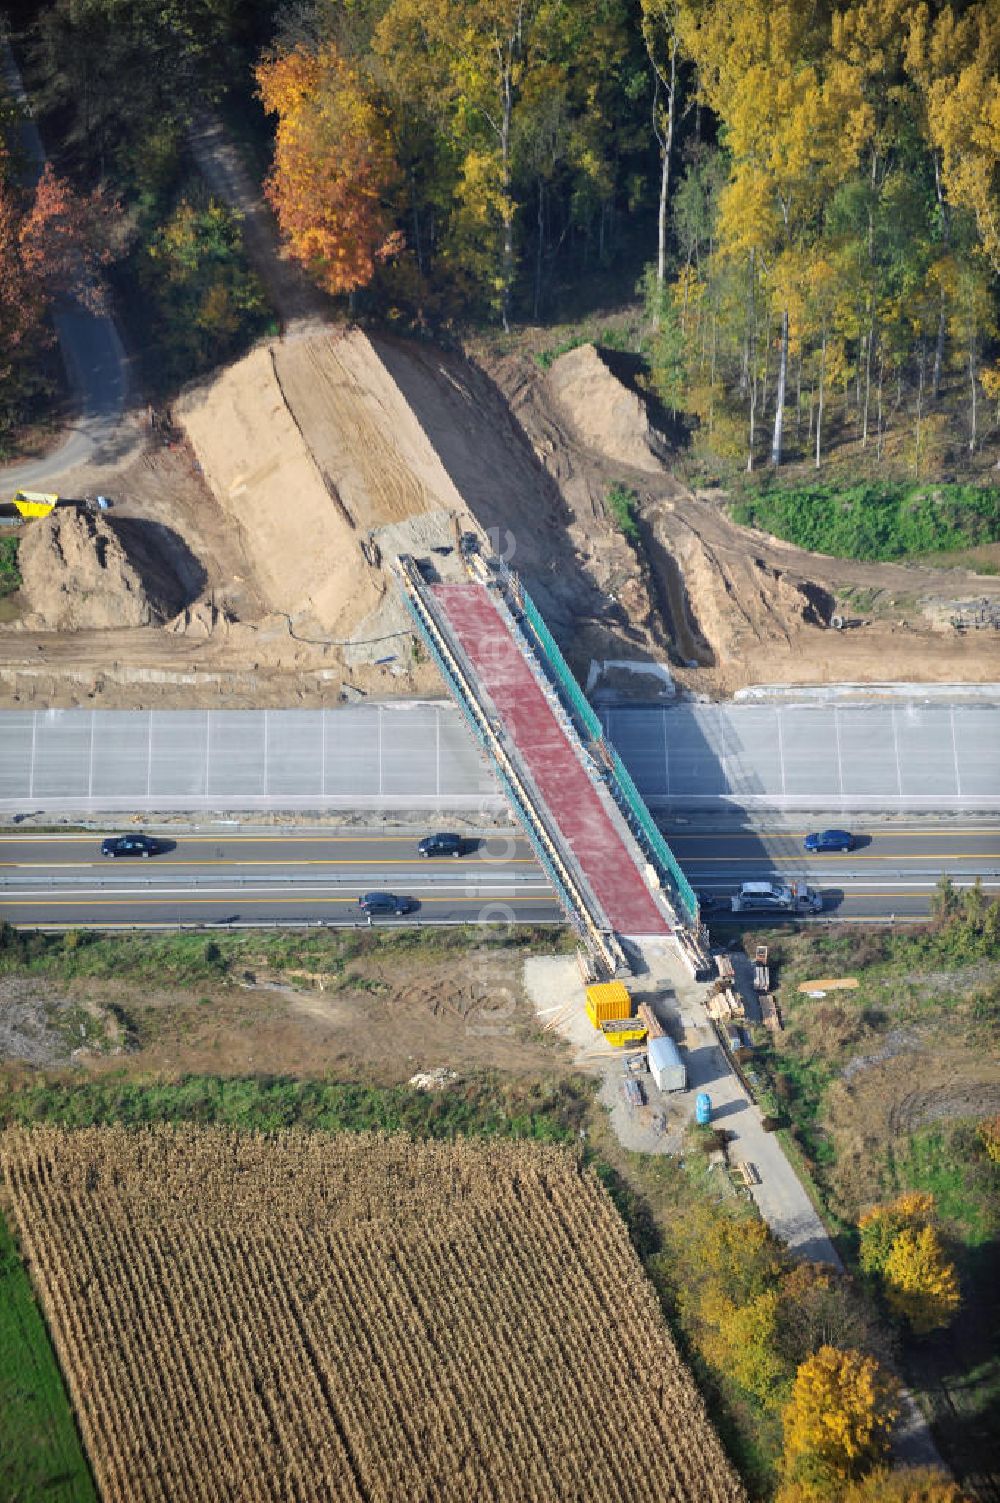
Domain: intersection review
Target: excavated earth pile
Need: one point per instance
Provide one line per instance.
(78, 573)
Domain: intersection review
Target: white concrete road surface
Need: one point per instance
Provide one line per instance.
(887, 758)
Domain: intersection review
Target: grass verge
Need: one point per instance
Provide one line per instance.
(41, 1456)
(188, 957)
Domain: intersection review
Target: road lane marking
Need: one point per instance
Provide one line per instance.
(808, 859)
(169, 901)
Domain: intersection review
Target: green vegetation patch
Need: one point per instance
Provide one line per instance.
(192, 957)
(41, 1457)
(10, 575)
(481, 1105)
(875, 521)
(623, 506)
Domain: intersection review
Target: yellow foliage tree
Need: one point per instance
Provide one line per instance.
(956, 61)
(900, 1243)
(837, 1424)
(989, 1130)
(921, 1285)
(882, 1225)
(908, 1485)
(742, 1341)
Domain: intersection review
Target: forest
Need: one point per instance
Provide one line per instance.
(803, 195)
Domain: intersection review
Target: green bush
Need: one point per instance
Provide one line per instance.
(10, 575)
(622, 503)
(874, 521)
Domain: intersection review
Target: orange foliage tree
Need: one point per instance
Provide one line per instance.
(66, 237)
(333, 166)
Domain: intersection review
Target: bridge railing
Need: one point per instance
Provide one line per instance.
(560, 668)
(626, 794)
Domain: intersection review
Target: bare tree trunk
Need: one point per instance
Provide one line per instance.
(779, 404)
(938, 351)
(508, 208)
(918, 432)
(819, 410)
(798, 395)
(870, 344)
(539, 251)
(879, 431)
(972, 379)
(666, 148)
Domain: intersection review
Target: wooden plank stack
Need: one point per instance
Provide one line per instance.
(770, 1013)
(654, 1028)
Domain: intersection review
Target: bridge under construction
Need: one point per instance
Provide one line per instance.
(611, 867)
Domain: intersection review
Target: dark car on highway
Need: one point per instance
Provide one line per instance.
(385, 902)
(442, 844)
(829, 840)
(130, 845)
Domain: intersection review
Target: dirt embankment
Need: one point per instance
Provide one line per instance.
(293, 479)
(245, 559)
(739, 607)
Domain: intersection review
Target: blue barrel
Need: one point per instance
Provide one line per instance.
(703, 1108)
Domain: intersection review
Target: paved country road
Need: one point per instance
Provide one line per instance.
(90, 345)
(307, 876)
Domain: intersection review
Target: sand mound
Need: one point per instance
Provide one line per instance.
(78, 575)
(607, 415)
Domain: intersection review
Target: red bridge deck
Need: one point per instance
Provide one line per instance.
(571, 798)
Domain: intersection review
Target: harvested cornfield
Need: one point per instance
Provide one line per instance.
(319, 1317)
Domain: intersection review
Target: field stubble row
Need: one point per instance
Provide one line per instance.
(353, 1317)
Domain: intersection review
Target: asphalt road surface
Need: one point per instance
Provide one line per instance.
(89, 342)
(307, 878)
(316, 876)
(893, 871)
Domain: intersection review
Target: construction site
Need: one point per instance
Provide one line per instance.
(246, 552)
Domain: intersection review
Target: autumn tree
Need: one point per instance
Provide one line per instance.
(921, 1285)
(907, 1485)
(204, 299)
(660, 20)
(333, 166)
(66, 238)
(955, 57)
(839, 1419)
(901, 1245)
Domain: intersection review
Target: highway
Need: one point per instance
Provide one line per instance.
(315, 876)
(302, 877)
(893, 871)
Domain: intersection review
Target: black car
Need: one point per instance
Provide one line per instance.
(829, 840)
(442, 844)
(385, 902)
(130, 845)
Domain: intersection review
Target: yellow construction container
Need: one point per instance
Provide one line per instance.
(608, 1000)
(34, 503)
(620, 1031)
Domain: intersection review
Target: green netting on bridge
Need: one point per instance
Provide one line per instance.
(629, 798)
(658, 848)
(560, 668)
